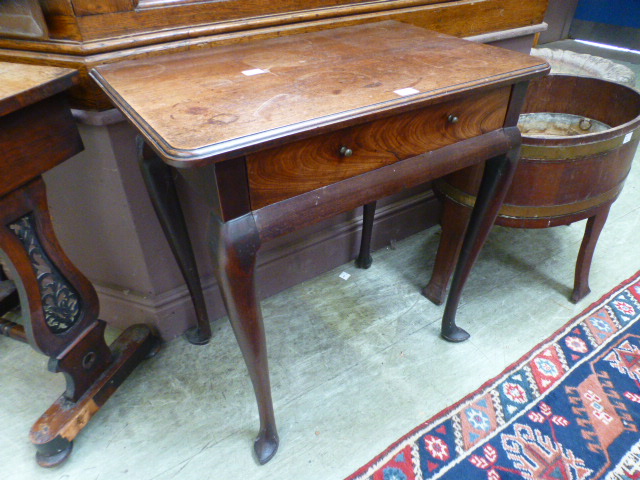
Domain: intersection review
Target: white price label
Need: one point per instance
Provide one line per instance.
(627, 138)
(344, 276)
(403, 92)
(255, 71)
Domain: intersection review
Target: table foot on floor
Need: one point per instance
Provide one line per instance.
(55, 430)
(454, 334)
(592, 231)
(266, 446)
(53, 453)
(578, 295)
(434, 293)
(158, 179)
(234, 246)
(196, 336)
(364, 262)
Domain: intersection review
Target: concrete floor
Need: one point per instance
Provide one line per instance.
(355, 363)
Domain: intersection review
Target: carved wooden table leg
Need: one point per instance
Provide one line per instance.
(364, 259)
(454, 224)
(60, 310)
(592, 231)
(158, 178)
(234, 246)
(495, 184)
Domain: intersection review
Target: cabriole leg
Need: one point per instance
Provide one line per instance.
(234, 247)
(164, 198)
(592, 231)
(495, 184)
(454, 222)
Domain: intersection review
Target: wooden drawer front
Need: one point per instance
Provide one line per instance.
(35, 139)
(283, 172)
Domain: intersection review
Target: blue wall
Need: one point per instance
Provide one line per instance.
(625, 13)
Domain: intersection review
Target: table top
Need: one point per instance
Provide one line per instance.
(22, 85)
(209, 105)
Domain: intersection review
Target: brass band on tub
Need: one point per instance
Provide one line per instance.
(531, 211)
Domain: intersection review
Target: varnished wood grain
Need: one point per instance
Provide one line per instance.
(105, 32)
(372, 87)
(247, 8)
(52, 139)
(61, 19)
(22, 85)
(308, 208)
(475, 17)
(95, 7)
(96, 39)
(37, 132)
(312, 81)
(302, 166)
(563, 175)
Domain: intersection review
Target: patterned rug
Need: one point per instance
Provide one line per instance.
(569, 409)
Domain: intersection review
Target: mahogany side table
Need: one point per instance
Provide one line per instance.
(284, 132)
(59, 307)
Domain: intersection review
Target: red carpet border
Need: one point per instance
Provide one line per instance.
(568, 410)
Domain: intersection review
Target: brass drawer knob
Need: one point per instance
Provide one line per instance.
(453, 119)
(346, 152)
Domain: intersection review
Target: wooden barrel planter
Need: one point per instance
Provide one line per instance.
(579, 137)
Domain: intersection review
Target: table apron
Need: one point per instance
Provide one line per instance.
(311, 207)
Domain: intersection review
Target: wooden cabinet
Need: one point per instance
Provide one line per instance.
(82, 34)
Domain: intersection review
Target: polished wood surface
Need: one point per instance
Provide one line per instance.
(100, 23)
(283, 172)
(408, 105)
(54, 138)
(22, 85)
(84, 34)
(312, 81)
(308, 208)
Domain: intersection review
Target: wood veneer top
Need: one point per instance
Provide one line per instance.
(203, 106)
(22, 85)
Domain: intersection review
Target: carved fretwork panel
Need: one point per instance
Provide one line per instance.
(60, 301)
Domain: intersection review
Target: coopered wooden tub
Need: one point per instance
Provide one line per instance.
(575, 158)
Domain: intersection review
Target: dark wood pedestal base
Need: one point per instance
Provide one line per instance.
(54, 432)
(59, 306)
(59, 309)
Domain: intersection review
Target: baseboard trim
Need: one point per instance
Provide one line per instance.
(170, 313)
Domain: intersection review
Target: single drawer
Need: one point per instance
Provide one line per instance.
(286, 171)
